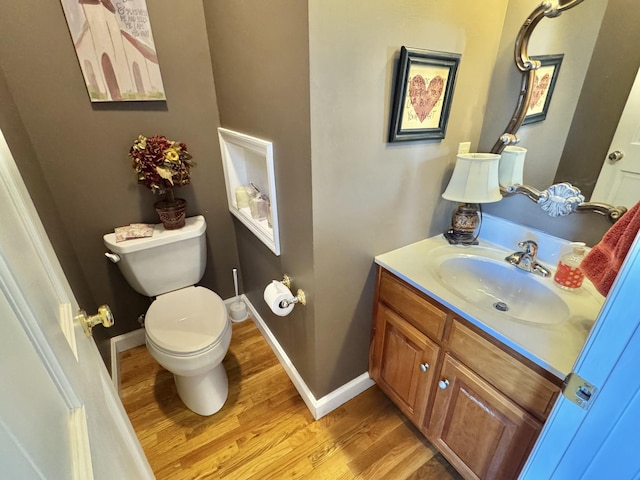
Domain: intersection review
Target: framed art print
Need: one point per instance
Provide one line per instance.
(543, 84)
(423, 93)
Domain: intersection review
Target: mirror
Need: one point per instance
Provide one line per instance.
(568, 144)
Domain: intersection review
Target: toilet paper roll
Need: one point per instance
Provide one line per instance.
(274, 294)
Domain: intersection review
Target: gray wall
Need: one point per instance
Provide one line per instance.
(370, 196)
(78, 151)
(260, 58)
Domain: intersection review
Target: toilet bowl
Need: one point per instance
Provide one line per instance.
(188, 332)
(187, 329)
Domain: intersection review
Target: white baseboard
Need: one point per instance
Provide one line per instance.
(119, 344)
(318, 407)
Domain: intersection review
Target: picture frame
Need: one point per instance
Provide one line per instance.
(544, 84)
(425, 82)
(115, 49)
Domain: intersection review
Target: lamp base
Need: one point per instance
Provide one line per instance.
(464, 225)
(460, 238)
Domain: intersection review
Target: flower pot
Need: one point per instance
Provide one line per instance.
(171, 213)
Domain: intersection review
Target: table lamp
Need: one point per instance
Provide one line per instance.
(474, 180)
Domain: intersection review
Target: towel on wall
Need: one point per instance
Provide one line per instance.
(602, 263)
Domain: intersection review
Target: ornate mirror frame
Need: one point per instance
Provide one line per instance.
(562, 198)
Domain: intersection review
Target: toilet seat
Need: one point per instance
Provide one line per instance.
(188, 321)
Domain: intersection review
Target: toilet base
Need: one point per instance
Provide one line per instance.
(204, 394)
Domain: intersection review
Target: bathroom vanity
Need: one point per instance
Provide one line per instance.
(478, 382)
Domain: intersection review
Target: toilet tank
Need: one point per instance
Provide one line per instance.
(166, 261)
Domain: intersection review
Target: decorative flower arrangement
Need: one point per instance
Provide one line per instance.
(161, 164)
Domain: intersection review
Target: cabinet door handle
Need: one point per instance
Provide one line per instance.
(443, 384)
(424, 366)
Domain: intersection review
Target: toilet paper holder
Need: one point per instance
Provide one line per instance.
(299, 298)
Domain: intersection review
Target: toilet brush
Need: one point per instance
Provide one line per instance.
(238, 309)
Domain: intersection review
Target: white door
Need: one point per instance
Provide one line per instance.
(619, 180)
(60, 416)
(601, 442)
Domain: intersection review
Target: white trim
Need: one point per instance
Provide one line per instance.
(119, 344)
(342, 394)
(65, 319)
(318, 407)
(82, 465)
(246, 159)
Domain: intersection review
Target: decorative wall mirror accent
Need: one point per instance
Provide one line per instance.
(562, 198)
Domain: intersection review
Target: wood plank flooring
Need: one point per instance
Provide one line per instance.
(265, 430)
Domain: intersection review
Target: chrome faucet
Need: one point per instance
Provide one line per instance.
(526, 259)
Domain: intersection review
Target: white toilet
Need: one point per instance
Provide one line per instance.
(187, 328)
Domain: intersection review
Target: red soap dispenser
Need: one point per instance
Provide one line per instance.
(568, 276)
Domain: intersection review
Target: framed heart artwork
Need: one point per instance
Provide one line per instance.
(543, 84)
(423, 92)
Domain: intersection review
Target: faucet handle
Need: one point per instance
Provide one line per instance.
(529, 246)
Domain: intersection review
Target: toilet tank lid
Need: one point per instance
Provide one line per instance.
(194, 227)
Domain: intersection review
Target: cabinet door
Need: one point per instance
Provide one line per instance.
(405, 363)
(480, 431)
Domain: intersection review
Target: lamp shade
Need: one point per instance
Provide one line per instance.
(474, 179)
(512, 166)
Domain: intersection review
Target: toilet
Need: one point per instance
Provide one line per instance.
(187, 329)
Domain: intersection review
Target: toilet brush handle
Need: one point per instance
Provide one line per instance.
(235, 281)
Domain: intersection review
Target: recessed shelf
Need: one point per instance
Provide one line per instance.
(249, 160)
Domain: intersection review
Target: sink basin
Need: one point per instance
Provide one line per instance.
(496, 286)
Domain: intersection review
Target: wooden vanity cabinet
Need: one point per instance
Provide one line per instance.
(481, 404)
(405, 364)
(477, 428)
(403, 358)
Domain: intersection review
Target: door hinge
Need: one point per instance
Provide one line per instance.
(578, 390)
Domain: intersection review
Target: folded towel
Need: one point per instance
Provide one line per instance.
(134, 230)
(602, 263)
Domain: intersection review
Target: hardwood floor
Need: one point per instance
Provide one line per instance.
(265, 431)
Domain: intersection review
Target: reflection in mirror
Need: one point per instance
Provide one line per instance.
(619, 179)
(589, 95)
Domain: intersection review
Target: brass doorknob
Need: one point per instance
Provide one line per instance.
(104, 317)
